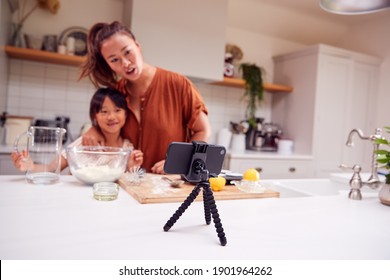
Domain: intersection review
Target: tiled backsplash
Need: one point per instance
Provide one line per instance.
(45, 90)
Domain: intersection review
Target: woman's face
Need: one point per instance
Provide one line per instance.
(123, 55)
(110, 118)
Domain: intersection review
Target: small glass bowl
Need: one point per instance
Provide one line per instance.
(249, 186)
(105, 191)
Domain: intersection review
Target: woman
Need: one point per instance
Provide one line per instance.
(164, 106)
(108, 111)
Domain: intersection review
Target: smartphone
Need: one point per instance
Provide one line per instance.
(179, 157)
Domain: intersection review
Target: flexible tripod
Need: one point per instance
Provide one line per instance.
(210, 208)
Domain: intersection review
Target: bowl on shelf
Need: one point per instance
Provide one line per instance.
(95, 164)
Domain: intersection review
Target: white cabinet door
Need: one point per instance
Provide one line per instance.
(331, 108)
(7, 167)
(184, 36)
(274, 168)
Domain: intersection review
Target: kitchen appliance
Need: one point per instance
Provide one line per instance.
(13, 126)
(59, 121)
(44, 148)
(263, 137)
(271, 134)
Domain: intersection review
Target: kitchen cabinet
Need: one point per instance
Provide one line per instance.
(6, 165)
(273, 166)
(183, 36)
(334, 92)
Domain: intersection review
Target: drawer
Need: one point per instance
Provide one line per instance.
(274, 169)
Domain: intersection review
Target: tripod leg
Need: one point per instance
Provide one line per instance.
(190, 198)
(206, 205)
(208, 194)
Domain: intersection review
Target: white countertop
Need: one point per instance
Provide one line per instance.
(63, 221)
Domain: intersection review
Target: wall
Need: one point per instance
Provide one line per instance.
(5, 18)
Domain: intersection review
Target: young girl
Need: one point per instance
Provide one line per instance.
(108, 111)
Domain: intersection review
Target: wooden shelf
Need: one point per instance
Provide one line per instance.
(240, 83)
(73, 60)
(43, 56)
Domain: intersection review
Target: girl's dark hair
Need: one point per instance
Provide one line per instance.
(95, 67)
(98, 98)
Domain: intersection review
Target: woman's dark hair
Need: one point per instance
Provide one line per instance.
(95, 67)
(98, 98)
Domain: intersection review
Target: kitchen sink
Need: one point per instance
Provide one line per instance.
(289, 188)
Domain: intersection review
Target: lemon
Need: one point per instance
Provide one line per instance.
(217, 183)
(251, 175)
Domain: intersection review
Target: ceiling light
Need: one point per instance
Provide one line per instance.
(352, 7)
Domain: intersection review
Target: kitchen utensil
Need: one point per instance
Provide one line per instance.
(59, 121)
(14, 126)
(264, 137)
(146, 192)
(285, 146)
(135, 175)
(44, 147)
(250, 186)
(238, 143)
(105, 191)
(224, 137)
(95, 164)
(173, 183)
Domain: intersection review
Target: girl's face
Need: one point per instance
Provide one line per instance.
(110, 118)
(123, 55)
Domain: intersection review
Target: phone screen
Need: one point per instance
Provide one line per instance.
(179, 157)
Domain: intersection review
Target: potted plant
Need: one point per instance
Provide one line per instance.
(383, 158)
(254, 91)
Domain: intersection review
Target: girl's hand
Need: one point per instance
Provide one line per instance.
(136, 159)
(21, 160)
(158, 167)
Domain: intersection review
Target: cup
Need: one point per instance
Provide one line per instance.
(285, 146)
(50, 43)
(70, 45)
(61, 49)
(238, 143)
(44, 148)
(105, 191)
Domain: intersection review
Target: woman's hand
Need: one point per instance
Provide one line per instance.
(136, 159)
(158, 167)
(21, 160)
(92, 138)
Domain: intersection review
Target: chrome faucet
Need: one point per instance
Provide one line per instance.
(373, 181)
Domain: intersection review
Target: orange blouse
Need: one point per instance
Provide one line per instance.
(169, 109)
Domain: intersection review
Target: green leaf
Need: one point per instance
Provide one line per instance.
(381, 152)
(382, 141)
(254, 91)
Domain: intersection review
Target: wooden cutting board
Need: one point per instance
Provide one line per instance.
(153, 189)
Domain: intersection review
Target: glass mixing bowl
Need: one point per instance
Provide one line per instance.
(95, 164)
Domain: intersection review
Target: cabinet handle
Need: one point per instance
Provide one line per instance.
(292, 169)
(259, 169)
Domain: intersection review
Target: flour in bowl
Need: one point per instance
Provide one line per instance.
(95, 174)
